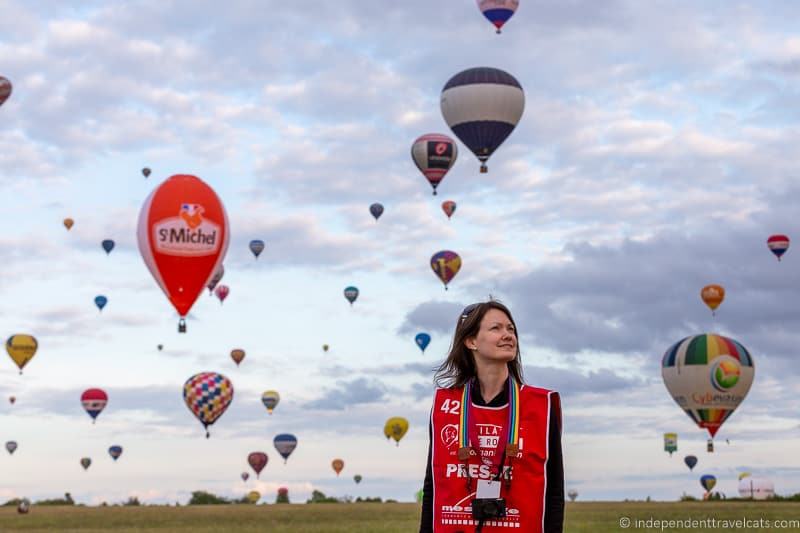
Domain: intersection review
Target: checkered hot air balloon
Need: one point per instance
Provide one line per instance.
(207, 395)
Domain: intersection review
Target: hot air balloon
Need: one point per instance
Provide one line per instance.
(115, 451)
(100, 301)
(325, 347)
(285, 444)
(253, 496)
(160, 347)
(449, 207)
(245, 476)
(212, 283)
(222, 292)
(756, 488)
(85, 463)
(498, 11)
(94, 401)
(445, 265)
(107, 245)
(256, 246)
(422, 340)
(12, 400)
(670, 443)
(690, 461)
(146, 172)
(11, 446)
(24, 506)
(377, 210)
(5, 89)
(572, 495)
(482, 106)
(712, 295)
(257, 461)
(778, 244)
(434, 154)
(207, 395)
(68, 223)
(351, 293)
(283, 495)
(237, 354)
(395, 428)
(357, 478)
(21, 348)
(708, 376)
(270, 399)
(183, 237)
(708, 482)
(743, 475)
(337, 465)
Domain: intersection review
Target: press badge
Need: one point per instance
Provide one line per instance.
(488, 488)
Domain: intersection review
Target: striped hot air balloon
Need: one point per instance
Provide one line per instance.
(778, 244)
(482, 106)
(498, 11)
(93, 402)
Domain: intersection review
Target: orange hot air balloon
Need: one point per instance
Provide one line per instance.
(338, 466)
(713, 295)
(68, 223)
(237, 354)
(449, 207)
(183, 236)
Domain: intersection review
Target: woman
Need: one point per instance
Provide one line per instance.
(494, 460)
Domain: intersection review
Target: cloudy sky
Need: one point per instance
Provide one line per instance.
(655, 156)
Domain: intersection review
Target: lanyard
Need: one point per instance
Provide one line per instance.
(512, 440)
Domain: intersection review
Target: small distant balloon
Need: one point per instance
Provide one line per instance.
(708, 482)
(146, 172)
(5, 89)
(422, 340)
(351, 293)
(325, 347)
(24, 506)
(94, 401)
(207, 395)
(690, 461)
(357, 478)
(285, 443)
(253, 496)
(270, 399)
(245, 476)
(68, 223)
(237, 354)
(449, 207)
(712, 295)
(160, 347)
(100, 301)
(115, 452)
(778, 244)
(257, 461)
(337, 465)
(11, 446)
(572, 494)
(434, 154)
(445, 265)
(670, 443)
(212, 283)
(395, 428)
(12, 400)
(376, 210)
(222, 292)
(498, 11)
(256, 246)
(85, 463)
(21, 348)
(107, 245)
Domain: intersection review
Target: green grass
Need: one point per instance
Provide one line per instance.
(594, 517)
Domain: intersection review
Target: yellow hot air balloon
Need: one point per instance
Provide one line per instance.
(68, 222)
(712, 295)
(270, 399)
(395, 428)
(21, 348)
(337, 465)
(253, 496)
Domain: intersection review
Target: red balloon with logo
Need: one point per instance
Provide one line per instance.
(183, 236)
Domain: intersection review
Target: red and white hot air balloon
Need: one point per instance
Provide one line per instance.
(183, 236)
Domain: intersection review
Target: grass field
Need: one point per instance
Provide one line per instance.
(594, 517)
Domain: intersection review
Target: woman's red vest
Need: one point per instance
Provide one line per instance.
(452, 509)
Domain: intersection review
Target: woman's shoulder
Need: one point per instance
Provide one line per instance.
(537, 391)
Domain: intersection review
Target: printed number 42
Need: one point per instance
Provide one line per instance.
(451, 406)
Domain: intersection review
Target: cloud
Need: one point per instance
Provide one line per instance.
(349, 393)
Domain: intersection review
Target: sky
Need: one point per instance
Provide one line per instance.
(655, 155)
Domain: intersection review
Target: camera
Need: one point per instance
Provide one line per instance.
(488, 508)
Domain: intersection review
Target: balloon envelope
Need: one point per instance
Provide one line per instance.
(712, 295)
(690, 461)
(107, 245)
(351, 293)
(85, 463)
(422, 340)
(222, 292)
(434, 154)
(498, 11)
(68, 223)
(253, 496)
(285, 443)
(670, 442)
(100, 301)
(257, 461)
(778, 244)
(337, 465)
(270, 399)
(21, 348)
(94, 401)
(708, 376)
(449, 207)
(357, 478)
(256, 246)
(146, 172)
(445, 265)
(5, 89)
(395, 428)
(708, 481)
(376, 210)
(245, 476)
(11, 446)
(237, 354)
(207, 395)
(482, 106)
(212, 283)
(115, 451)
(183, 238)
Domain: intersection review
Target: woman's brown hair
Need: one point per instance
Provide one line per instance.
(459, 367)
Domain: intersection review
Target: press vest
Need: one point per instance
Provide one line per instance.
(452, 509)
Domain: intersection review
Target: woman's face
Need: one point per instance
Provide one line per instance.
(496, 339)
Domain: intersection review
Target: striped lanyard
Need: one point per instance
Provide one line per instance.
(512, 442)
